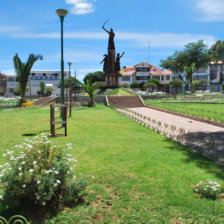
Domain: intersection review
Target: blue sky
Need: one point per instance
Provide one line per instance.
(33, 27)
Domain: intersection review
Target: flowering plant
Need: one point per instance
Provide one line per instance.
(28, 104)
(39, 174)
(209, 189)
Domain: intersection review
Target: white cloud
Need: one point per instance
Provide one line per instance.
(211, 10)
(140, 39)
(81, 7)
(9, 29)
(165, 39)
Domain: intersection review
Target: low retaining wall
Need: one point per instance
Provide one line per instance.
(97, 99)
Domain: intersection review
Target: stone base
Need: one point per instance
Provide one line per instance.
(112, 80)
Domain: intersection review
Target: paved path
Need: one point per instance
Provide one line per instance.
(186, 123)
(204, 138)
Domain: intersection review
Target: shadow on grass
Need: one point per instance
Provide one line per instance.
(40, 132)
(202, 151)
(35, 214)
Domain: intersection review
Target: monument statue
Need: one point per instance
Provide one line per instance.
(111, 67)
(117, 62)
(111, 38)
(105, 63)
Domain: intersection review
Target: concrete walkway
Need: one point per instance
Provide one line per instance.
(204, 138)
(188, 124)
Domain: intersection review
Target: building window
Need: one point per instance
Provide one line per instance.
(125, 78)
(33, 74)
(162, 77)
(44, 74)
(142, 69)
(168, 77)
(142, 77)
(156, 77)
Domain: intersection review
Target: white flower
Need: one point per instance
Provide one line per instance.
(56, 172)
(20, 174)
(1, 197)
(23, 163)
(38, 197)
(44, 203)
(19, 168)
(24, 185)
(38, 182)
(58, 181)
(55, 185)
(69, 144)
(34, 162)
(31, 170)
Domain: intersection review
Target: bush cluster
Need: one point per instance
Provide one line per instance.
(40, 174)
(208, 189)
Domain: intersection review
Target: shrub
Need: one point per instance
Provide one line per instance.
(134, 85)
(39, 175)
(28, 104)
(1, 92)
(208, 189)
(125, 85)
(156, 81)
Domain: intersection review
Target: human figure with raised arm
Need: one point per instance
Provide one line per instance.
(117, 63)
(105, 65)
(111, 38)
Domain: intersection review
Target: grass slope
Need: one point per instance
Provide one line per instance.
(208, 111)
(131, 170)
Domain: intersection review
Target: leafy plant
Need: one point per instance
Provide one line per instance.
(125, 85)
(39, 175)
(208, 189)
(134, 85)
(23, 72)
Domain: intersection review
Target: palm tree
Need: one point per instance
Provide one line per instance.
(90, 89)
(23, 71)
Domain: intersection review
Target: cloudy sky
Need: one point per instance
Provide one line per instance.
(147, 30)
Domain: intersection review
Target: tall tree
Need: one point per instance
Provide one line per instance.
(217, 51)
(23, 70)
(94, 77)
(186, 62)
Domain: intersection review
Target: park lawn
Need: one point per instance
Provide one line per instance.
(131, 170)
(208, 111)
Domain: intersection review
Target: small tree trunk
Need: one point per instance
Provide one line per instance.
(92, 103)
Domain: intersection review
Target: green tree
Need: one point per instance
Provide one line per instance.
(156, 81)
(49, 91)
(42, 88)
(1, 92)
(90, 89)
(217, 51)
(176, 84)
(23, 71)
(97, 76)
(134, 85)
(68, 82)
(186, 62)
(150, 85)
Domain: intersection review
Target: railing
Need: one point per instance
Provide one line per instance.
(201, 219)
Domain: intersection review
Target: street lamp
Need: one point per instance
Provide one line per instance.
(69, 64)
(62, 13)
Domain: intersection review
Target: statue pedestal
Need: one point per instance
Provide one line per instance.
(112, 80)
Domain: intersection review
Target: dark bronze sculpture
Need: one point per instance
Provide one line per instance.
(111, 67)
(117, 63)
(105, 63)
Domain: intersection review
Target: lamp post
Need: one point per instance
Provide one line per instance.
(62, 13)
(69, 65)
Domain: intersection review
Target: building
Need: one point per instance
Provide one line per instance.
(8, 83)
(141, 72)
(11, 85)
(50, 78)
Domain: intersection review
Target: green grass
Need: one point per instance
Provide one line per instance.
(121, 92)
(136, 171)
(208, 111)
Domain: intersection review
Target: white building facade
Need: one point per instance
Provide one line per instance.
(141, 72)
(50, 78)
